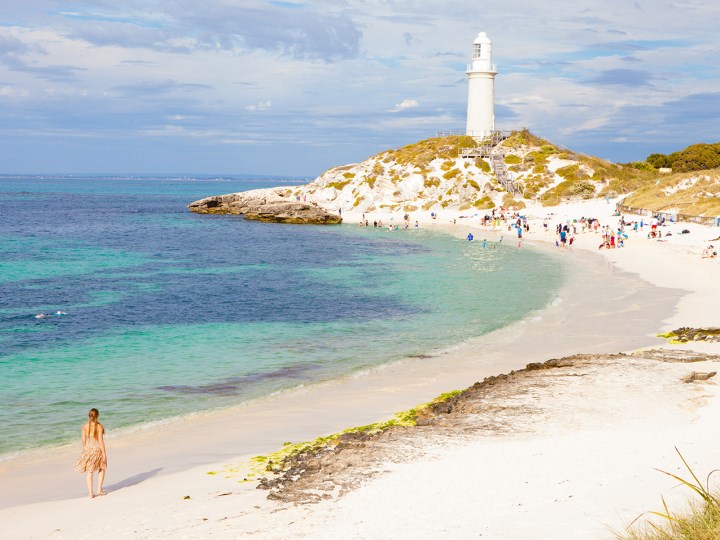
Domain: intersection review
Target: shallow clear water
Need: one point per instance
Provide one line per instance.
(170, 312)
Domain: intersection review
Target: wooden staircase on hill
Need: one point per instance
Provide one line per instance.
(492, 149)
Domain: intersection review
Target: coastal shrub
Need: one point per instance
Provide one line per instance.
(466, 165)
(523, 137)
(465, 206)
(449, 191)
(531, 190)
(396, 193)
(599, 174)
(539, 169)
(452, 173)
(349, 175)
(431, 182)
(569, 172)
(641, 166)
(483, 165)
(338, 185)
(509, 200)
(423, 152)
(696, 157)
(484, 203)
(428, 205)
(584, 190)
(512, 159)
(358, 201)
(447, 165)
(370, 181)
(378, 169)
(474, 184)
(548, 149)
(410, 208)
(515, 168)
(566, 190)
(536, 157)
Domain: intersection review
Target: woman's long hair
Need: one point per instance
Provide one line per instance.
(92, 423)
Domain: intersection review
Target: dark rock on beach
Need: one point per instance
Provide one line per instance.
(685, 334)
(499, 405)
(269, 205)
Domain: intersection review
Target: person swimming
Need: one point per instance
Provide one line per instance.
(48, 315)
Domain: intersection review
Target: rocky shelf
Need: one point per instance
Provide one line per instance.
(269, 205)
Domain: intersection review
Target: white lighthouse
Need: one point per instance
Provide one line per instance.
(481, 89)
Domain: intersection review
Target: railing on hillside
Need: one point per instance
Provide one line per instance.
(504, 177)
(476, 152)
(491, 147)
(669, 216)
(485, 145)
(440, 134)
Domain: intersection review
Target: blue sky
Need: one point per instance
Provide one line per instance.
(296, 87)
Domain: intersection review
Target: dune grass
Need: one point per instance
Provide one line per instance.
(696, 194)
(700, 522)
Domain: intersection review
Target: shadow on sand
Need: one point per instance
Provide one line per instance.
(133, 480)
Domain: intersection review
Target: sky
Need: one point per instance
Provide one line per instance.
(294, 87)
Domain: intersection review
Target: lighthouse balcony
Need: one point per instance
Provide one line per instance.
(482, 67)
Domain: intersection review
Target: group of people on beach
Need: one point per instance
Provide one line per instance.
(378, 224)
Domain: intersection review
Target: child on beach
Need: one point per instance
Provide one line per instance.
(93, 457)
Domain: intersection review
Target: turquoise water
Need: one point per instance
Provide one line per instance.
(170, 312)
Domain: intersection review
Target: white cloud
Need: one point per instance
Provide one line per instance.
(406, 104)
(262, 106)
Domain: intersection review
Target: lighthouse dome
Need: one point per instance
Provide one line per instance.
(481, 39)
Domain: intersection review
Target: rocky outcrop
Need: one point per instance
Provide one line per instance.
(685, 334)
(270, 205)
(505, 404)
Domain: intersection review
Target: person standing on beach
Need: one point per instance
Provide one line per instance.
(93, 457)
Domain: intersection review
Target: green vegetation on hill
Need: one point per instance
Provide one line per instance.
(696, 194)
(549, 175)
(696, 157)
(422, 153)
(524, 138)
(586, 177)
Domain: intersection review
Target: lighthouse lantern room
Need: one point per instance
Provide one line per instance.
(481, 89)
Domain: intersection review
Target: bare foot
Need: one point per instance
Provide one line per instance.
(92, 496)
(101, 493)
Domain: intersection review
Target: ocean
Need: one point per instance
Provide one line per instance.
(168, 313)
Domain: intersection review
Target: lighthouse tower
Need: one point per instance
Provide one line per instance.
(481, 89)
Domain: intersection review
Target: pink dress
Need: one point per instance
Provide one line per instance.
(91, 457)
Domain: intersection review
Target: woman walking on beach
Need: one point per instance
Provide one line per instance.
(93, 458)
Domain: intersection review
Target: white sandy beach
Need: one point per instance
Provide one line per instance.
(580, 469)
